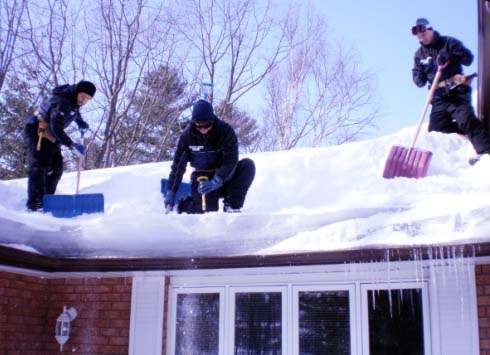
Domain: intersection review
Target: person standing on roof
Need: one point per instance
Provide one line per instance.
(45, 133)
(210, 145)
(451, 105)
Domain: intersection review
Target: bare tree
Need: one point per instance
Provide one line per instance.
(119, 62)
(317, 95)
(11, 15)
(51, 28)
(236, 43)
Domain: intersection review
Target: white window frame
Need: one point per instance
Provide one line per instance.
(230, 338)
(350, 288)
(172, 312)
(390, 286)
(448, 290)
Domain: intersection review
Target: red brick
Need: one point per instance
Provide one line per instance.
(118, 341)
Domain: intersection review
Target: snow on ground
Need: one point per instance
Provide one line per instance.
(317, 199)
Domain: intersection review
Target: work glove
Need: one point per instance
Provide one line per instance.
(169, 200)
(83, 127)
(210, 185)
(78, 149)
(443, 58)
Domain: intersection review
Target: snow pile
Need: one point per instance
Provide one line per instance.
(301, 200)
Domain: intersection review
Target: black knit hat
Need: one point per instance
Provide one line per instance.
(202, 111)
(87, 87)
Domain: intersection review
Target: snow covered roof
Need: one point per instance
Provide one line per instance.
(315, 200)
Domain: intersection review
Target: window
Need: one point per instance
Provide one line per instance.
(324, 322)
(197, 324)
(324, 319)
(395, 320)
(300, 319)
(258, 323)
(197, 315)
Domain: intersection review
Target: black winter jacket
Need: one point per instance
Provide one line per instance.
(425, 60)
(60, 109)
(218, 150)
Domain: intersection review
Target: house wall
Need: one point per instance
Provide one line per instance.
(482, 273)
(29, 307)
(24, 303)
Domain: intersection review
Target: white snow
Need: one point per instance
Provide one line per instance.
(316, 199)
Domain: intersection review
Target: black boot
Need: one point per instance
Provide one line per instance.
(36, 183)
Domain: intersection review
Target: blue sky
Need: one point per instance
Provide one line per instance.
(380, 32)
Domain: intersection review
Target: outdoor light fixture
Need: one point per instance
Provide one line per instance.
(62, 332)
(207, 91)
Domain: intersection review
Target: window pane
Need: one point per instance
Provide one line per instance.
(324, 325)
(396, 322)
(197, 328)
(258, 324)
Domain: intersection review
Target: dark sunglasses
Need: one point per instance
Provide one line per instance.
(203, 125)
(418, 28)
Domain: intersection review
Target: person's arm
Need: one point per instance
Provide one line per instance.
(419, 71)
(82, 125)
(458, 53)
(230, 154)
(57, 124)
(179, 164)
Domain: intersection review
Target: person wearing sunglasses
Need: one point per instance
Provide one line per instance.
(210, 145)
(44, 134)
(451, 110)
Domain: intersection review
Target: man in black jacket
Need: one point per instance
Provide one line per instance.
(451, 105)
(44, 135)
(210, 145)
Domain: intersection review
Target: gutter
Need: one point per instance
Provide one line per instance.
(16, 258)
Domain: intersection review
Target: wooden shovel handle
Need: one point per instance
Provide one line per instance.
(203, 196)
(433, 88)
(79, 168)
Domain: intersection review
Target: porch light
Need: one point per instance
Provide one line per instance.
(207, 91)
(62, 332)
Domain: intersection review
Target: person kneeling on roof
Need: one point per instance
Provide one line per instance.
(210, 145)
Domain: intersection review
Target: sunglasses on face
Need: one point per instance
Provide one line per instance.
(418, 28)
(203, 125)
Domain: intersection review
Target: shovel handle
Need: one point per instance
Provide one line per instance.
(433, 88)
(79, 168)
(39, 140)
(203, 196)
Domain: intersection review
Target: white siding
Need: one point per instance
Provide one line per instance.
(454, 310)
(146, 327)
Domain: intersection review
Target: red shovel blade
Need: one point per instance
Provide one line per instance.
(407, 162)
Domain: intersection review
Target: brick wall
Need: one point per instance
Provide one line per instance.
(101, 327)
(482, 273)
(23, 310)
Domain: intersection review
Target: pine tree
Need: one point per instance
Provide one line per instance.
(150, 130)
(15, 106)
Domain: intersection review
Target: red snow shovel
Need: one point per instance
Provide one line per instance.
(67, 206)
(412, 162)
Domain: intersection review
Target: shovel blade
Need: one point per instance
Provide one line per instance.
(183, 191)
(68, 206)
(407, 162)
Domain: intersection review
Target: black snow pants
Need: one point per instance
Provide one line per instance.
(453, 113)
(233, 191)
(45, 167)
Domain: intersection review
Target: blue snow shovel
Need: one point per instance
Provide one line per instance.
(68, 206)
(183, 191)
